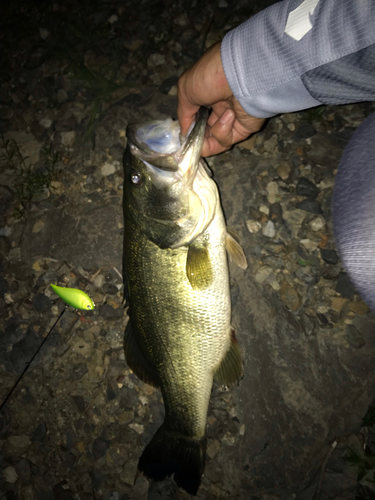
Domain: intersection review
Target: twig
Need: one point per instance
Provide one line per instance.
(322, 471)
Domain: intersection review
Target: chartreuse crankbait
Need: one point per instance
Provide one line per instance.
(75, 297)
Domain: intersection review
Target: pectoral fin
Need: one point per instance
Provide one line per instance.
(231, 367)
(198, 267)
(234, 249)
(136, 359)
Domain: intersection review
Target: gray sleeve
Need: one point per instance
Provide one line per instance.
(296, 54)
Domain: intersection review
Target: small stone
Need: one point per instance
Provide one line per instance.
(16, 445)
(155, 60)
(262, 274)
(283, 171)
(107, 169)
(40, 433)
(290, 297)
(213, 448)
(253, 226)
(62, 96)
(248, 144)
(99, 280)
(23, 350)
(125, 417)
(109, 312)
(44, 33)
(14, 253)
(129, 472)
(38, 226)
(80, 403)
(344, 286)
(83, 348)
(99, 447)
(322, 318)
(3, 286)
(312, 206)
(113, 19)
(270, 144)
(309, 245)
(272, 281)
(329, 256)
(41, 302)
(139, 429)
(10, 475)
(269, 229)
(68, 138)
(182, 20)
(338, 303)
(354, 337)
(46, 122)
(317, 223)
(264, 209)
(294, 219)
(57, 187)
(110, 289)
(358, 307)
(306, 188)
(304, 132)
(223, 4)
(276, 212)
(272, 188)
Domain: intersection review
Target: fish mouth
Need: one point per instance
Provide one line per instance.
(184, 159)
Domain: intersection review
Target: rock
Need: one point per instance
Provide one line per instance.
(16, 445)
(306, 188)
(110, 289)
(155, 60)
(41, 302)
(108, 312)
(276, 212)
(24, 470)
(213, 448)
(304, 132)
(253, 226)
(283, 171)
(10, 475)
(68, 138)
(99, 447)
(3, 286)
(129, 472)
(270, 144)
(312, 206)
(309, 245)
(338, 303)
(249, 143)
(344, 286)
(290, 297)
(269, 229)
(354, 337)
(262, 274)
(358, 307)
(329, 256)
(40, 433)
(62, 96)
(294, 220)
(46, 122)
(23, 351)
(107, 169)
(317, 223)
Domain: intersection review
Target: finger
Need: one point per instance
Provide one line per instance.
(212, 147)
(222, 130)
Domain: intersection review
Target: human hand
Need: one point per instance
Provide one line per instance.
(205, 84)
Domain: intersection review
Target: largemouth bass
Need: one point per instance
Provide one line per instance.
(179, 335)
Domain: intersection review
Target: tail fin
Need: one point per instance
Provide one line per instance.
(172, 453)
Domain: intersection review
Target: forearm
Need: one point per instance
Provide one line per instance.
(271, 71)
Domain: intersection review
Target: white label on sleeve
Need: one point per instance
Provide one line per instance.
(298, 23)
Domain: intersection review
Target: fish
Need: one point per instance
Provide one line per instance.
(179, 335)
(74, 297)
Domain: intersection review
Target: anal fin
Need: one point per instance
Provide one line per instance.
(231, 367)
(136, 359)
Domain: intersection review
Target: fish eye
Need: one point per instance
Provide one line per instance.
(88, 306)
(136, 178)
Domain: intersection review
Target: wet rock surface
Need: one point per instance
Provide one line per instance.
(78, 420)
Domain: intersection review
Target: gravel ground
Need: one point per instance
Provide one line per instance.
(73, 77)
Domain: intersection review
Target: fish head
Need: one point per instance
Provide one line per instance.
(168, 193)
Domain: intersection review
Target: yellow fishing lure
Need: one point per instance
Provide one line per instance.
(74, 297)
